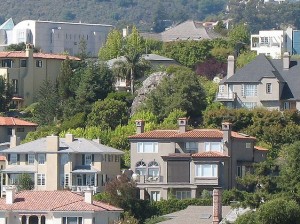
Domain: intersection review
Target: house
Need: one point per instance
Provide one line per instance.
(27, 72)
(14, 126)
(188, 30)
(56, 163)
(274, 43)
(58, 37)
(53, 207)
(155, 61)
(264, 82)
(185, 162)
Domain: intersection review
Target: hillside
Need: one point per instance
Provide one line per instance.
(115, 12)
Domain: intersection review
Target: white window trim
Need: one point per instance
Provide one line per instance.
(31, 159)
(191, 146)
(199, 167)
(13, 159)
(43, 160)
(141, 148)
(269, 88)
(180, 193)
(88, 159)
(208, 145)
(40, 177)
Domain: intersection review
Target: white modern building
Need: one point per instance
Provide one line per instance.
(58, 37)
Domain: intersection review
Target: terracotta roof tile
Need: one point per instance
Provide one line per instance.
(2, 158)
(11, 121)
(157, 134)
(201, 133)
(241, 135)
(22, 54)
(56, 201)
(179, 155)
(260, 148)
(208, 154)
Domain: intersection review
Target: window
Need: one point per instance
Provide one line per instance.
(23, 63)
(15, 85)
(41, 179)
(248, 145)
(41, 159)
(269, 88)
(213, 146)
(221, 88)
(191, 146)
(183, 194)
(20, 129)
(117, 158)
(39, 63)
(147, 147)
(153, 169)
(13, 179)
(206, 170)
(72, 220)
(7, 63)
(66, 180)
(264, 40)
(286, 105)
(249, 90)
(239, 171)
(250, 105)
(88, 159)
(64, 159)
(30, 159)
(140, 168)
(155, 195)
(13, 159)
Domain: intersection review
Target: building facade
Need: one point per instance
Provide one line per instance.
(56, 163)
(55, 207)
(27, 72)
(264, 82)
(185, 162)
(59, 37)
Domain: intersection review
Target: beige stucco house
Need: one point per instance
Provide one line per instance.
(264, 82)
(184, 162)
(14, 126)
(62, 163)
(55, 207)
(27, 71)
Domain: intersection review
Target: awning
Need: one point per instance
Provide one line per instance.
(20, 169)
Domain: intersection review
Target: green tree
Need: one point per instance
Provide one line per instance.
(182, 90)
(19, 47)
(25, 182)
(245, 58)
(6, 94)
(239, 35)
(108, 114)
(64, 79)
(112, 47)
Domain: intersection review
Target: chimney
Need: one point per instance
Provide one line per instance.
(14, 141)
(230, 66)
(217, 206)
(140, 126)
(182, 123)
(10, 194)
(88, 196)
(226, 128)
(286, 61)
(69, 138)
(52, 143)
(29, 51)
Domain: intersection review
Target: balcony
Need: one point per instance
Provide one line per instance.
(149, 179)
(226, 97)
(83, 188)
(212, 181)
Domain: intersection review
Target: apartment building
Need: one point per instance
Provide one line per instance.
(58, 37)
(184, 162)
(27, 72)
(61, 163)
(264, 82)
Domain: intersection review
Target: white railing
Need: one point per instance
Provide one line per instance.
(225, 96)
(83, 188)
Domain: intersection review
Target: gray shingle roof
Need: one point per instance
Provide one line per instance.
(262, 67)
(79, 145)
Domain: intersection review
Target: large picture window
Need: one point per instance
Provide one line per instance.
(153, 169)
(213, 146)
(41, 159)
(206, 170)
(72, 220)
(249, 90)
(191, 146)
(147, 147)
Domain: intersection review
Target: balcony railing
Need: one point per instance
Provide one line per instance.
(83, 188)
(206, 181)
(225, 96)
(149, 179)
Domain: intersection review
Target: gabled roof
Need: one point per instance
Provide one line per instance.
(12, 121)
(192, 134)
(53, 201)
(79, 145)
(7, 25)
(22, 54)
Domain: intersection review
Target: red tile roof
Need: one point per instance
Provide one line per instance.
(2, 158)
(209, 155)
(196, 133)
(11, 121)
(22, 54)
(56, 201)
(259, 148)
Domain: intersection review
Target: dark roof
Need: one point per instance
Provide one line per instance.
(262, 67)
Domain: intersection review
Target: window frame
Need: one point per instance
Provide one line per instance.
(189, 148)
(41, 179)
(249, 90)
(41, 160)
(181, 192)
(141, 147)
(29, 160)
(268, 88)
(13, 159)
(39, 63)
(209, 144)
(23, 63)
(78, 221)
(199, 172)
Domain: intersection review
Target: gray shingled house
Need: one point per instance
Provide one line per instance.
(264, 82)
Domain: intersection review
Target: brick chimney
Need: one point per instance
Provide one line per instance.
(286, 61)
(230, 66)
(10, 194)
(88, 196)
(14, 141)
(182, 124)
(217, 206)
(140, 126)
(69, 138)
(52, 143)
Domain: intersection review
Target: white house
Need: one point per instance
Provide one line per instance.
(55, 207)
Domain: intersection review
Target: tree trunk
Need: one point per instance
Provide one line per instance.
(131, 81)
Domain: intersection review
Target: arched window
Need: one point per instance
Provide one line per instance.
(153, 169)
(141, 168)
